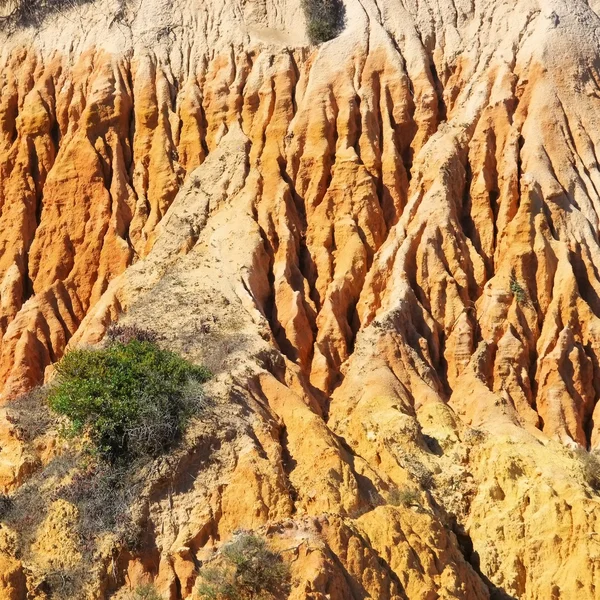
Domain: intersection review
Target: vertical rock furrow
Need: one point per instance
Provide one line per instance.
(387, 244)
(330, 263)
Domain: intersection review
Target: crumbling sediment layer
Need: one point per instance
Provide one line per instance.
(396, 234)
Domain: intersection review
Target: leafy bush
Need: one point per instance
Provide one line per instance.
(403, 497)
(131, 400)
(324, 18)
(249, 570)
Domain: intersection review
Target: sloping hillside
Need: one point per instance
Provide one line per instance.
(386, 247)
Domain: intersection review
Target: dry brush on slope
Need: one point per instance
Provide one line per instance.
(395, 236)
(32, 13)
(324, 19)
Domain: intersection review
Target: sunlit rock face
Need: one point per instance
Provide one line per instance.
(386, 246)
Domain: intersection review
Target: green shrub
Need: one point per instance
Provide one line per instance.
(324, 18)
(130, 400)
(517, 290)
(249, 569)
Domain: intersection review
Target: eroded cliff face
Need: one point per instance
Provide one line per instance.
(387, 249)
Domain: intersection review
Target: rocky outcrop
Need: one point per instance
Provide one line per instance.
(386, 247)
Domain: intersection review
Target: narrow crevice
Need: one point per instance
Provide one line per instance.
(353, 325)
(532, 372)
(288, 464)
(355, 143)
(131, 130)
(439, 89)
(296, 79)
(55, 135)
(55, 308)
(467, 549)
(588, 424)
(466, 220)
(442, 367)
(520, 145)
(269, 308)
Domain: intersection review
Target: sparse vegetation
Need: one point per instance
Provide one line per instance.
(33, 12)
(128, 402)
(248, 570)
(60, 583)
(403, 497)
(146, 591)
(418, 471)
(26, 507)
(590, 463)
(129, 399)
(128, 333)
(26, 510)
(324, 18)
(104, 496)
(517, 290)
(29, 415)
(5, 505)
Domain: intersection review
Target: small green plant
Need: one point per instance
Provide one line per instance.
(324, 18)
(248, 570)
(403, 497)
(517, 290)
(130, 400)
(146, 591)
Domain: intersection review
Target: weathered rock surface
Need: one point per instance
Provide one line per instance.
(386, 247)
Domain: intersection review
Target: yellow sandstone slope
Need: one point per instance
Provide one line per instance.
(387, 249)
